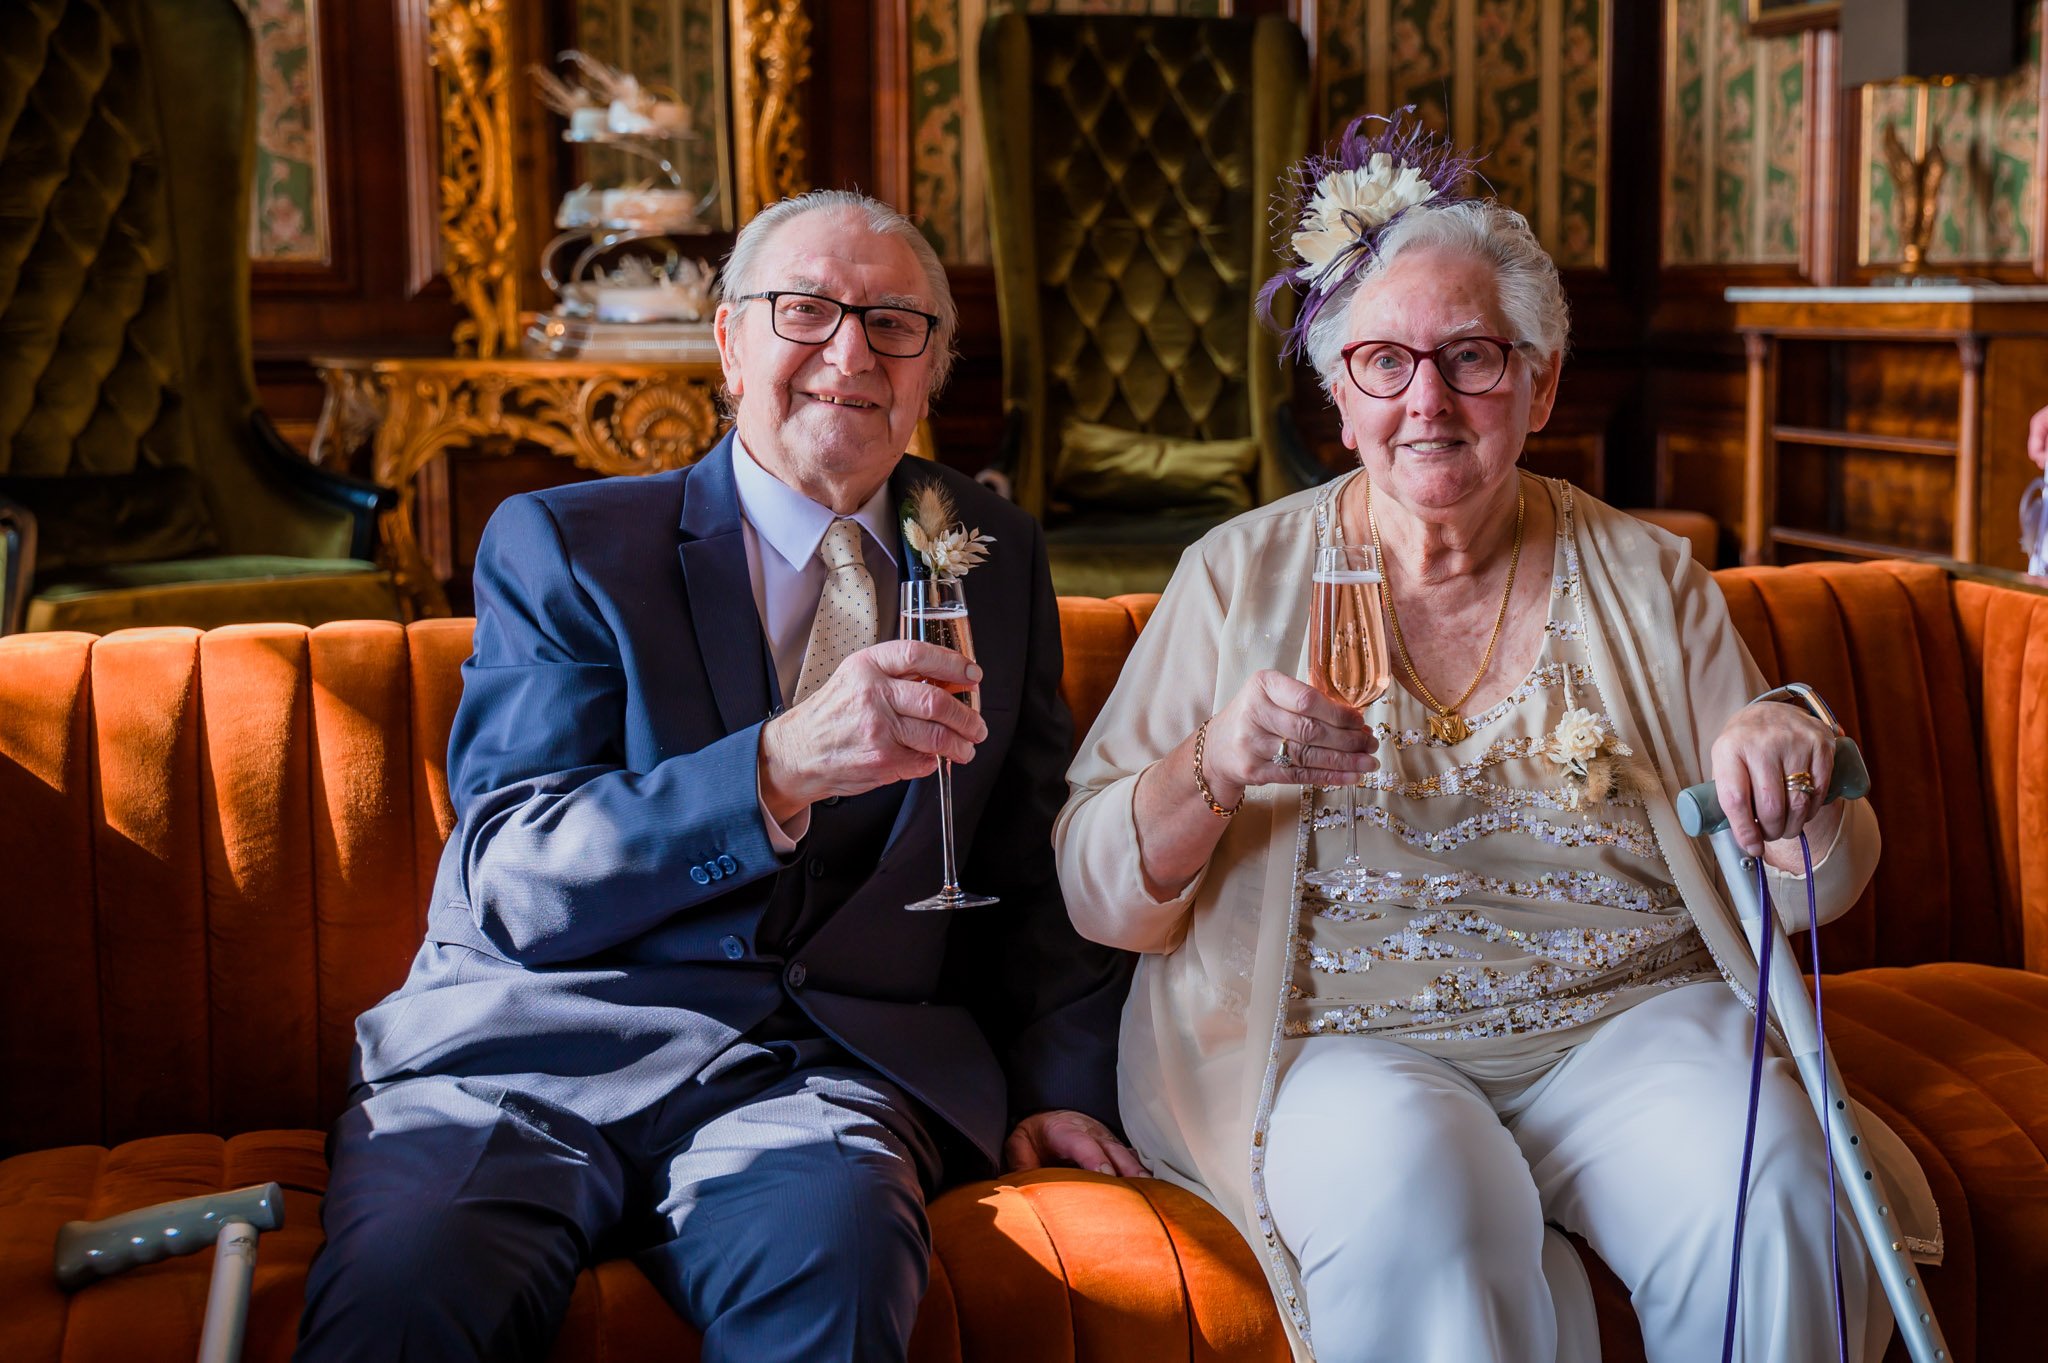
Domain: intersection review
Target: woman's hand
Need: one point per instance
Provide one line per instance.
(1772, 765)
(1325, 743)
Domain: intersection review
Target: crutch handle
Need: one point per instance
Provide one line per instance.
(87, 1250)
(1699, 807)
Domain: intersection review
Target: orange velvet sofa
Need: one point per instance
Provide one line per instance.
(215, 850)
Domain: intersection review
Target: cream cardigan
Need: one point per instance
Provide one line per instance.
(1201, 1030)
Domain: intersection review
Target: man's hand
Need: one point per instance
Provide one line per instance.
(884, 716)
(1063, 1137)
(2037, 439)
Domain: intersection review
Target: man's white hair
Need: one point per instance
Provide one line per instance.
(746, 265)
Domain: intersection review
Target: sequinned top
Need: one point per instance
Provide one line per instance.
(1517, 922)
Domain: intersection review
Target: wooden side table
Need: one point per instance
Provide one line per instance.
(606, 417)
(1889, 420)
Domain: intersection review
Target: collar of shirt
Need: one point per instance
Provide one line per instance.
(792, 524)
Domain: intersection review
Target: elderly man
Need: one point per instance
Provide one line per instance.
(670, 1000)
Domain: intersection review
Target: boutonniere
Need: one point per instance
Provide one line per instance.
(932, 525)
(1585, 745)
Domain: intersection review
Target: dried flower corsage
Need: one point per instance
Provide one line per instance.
(932, 525)
(1337, 205)
(1585, 745)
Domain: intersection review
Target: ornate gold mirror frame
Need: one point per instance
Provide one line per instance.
(471, 48)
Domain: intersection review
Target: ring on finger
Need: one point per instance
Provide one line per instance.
(1283, 759)
(1799, 782)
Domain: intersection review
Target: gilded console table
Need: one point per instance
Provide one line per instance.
(607, 417)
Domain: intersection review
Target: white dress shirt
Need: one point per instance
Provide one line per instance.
(783, 529)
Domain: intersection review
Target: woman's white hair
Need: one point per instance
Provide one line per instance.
(750, 249)
(1531, 294)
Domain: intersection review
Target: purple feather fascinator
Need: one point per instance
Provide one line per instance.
(1338, 205)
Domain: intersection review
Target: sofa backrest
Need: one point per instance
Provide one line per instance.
(216, 849)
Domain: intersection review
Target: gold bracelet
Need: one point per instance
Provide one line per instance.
(1202, 782)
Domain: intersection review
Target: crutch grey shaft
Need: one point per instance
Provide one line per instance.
(1699, 812)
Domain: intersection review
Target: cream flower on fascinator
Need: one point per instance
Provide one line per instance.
(1337, 204)
(1348, 203)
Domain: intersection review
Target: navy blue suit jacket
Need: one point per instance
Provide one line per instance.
(596, 932)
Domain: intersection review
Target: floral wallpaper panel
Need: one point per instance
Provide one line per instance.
(288, 212)
(1534, 101)
(1735, 123)
(1989, 200)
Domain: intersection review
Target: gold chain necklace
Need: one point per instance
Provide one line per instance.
(1445, 723)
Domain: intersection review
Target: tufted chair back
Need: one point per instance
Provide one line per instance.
(128, 419)
(1132, 161)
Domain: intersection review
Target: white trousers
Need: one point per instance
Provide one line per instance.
(1417, 1208)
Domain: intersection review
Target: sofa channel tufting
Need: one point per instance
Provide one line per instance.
(216, 848)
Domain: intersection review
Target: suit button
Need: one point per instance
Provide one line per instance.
(816, 868)
(700, 875)
(733, 948)
(711, 869)
(797, 975)
(829, 801)
(727, 864)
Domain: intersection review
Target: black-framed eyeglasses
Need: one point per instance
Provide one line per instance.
(812, 319)
(1469, 364)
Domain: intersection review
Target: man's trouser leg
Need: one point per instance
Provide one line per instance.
(457, 1217)
(797, 1214)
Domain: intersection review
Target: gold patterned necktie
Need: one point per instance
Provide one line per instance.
(847, 619)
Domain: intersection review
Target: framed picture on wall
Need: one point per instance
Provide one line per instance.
(1789, 16)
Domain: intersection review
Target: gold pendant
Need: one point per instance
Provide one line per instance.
(1449, 728)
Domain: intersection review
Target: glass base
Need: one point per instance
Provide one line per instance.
(955, 899)
(1353, 879)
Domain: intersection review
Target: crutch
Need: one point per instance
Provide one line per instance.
(90, 1250)
(1699, 812)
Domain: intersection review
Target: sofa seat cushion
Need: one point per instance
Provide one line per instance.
(1052, 1264)
(208, 592)
(1954, 1057)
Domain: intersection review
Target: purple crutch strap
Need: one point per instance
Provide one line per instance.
(1756, 1075)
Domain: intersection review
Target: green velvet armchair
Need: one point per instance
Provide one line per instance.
(156, 490)
(1132, 164)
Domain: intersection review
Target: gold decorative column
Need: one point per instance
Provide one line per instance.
(771, 58)
(471, 49)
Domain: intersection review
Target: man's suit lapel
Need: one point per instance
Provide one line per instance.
(730, 635)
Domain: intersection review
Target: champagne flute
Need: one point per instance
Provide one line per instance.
(934, 611)
(1347, 661)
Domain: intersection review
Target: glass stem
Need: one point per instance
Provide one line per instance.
(951, 873)
(1351, 821)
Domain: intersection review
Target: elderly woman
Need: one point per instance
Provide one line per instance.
(1401, 1090)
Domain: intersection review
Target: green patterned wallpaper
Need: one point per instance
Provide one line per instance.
(1734, 127)
(1536, 99)
(1735, 118)
(288, 213)
(1989, 130)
